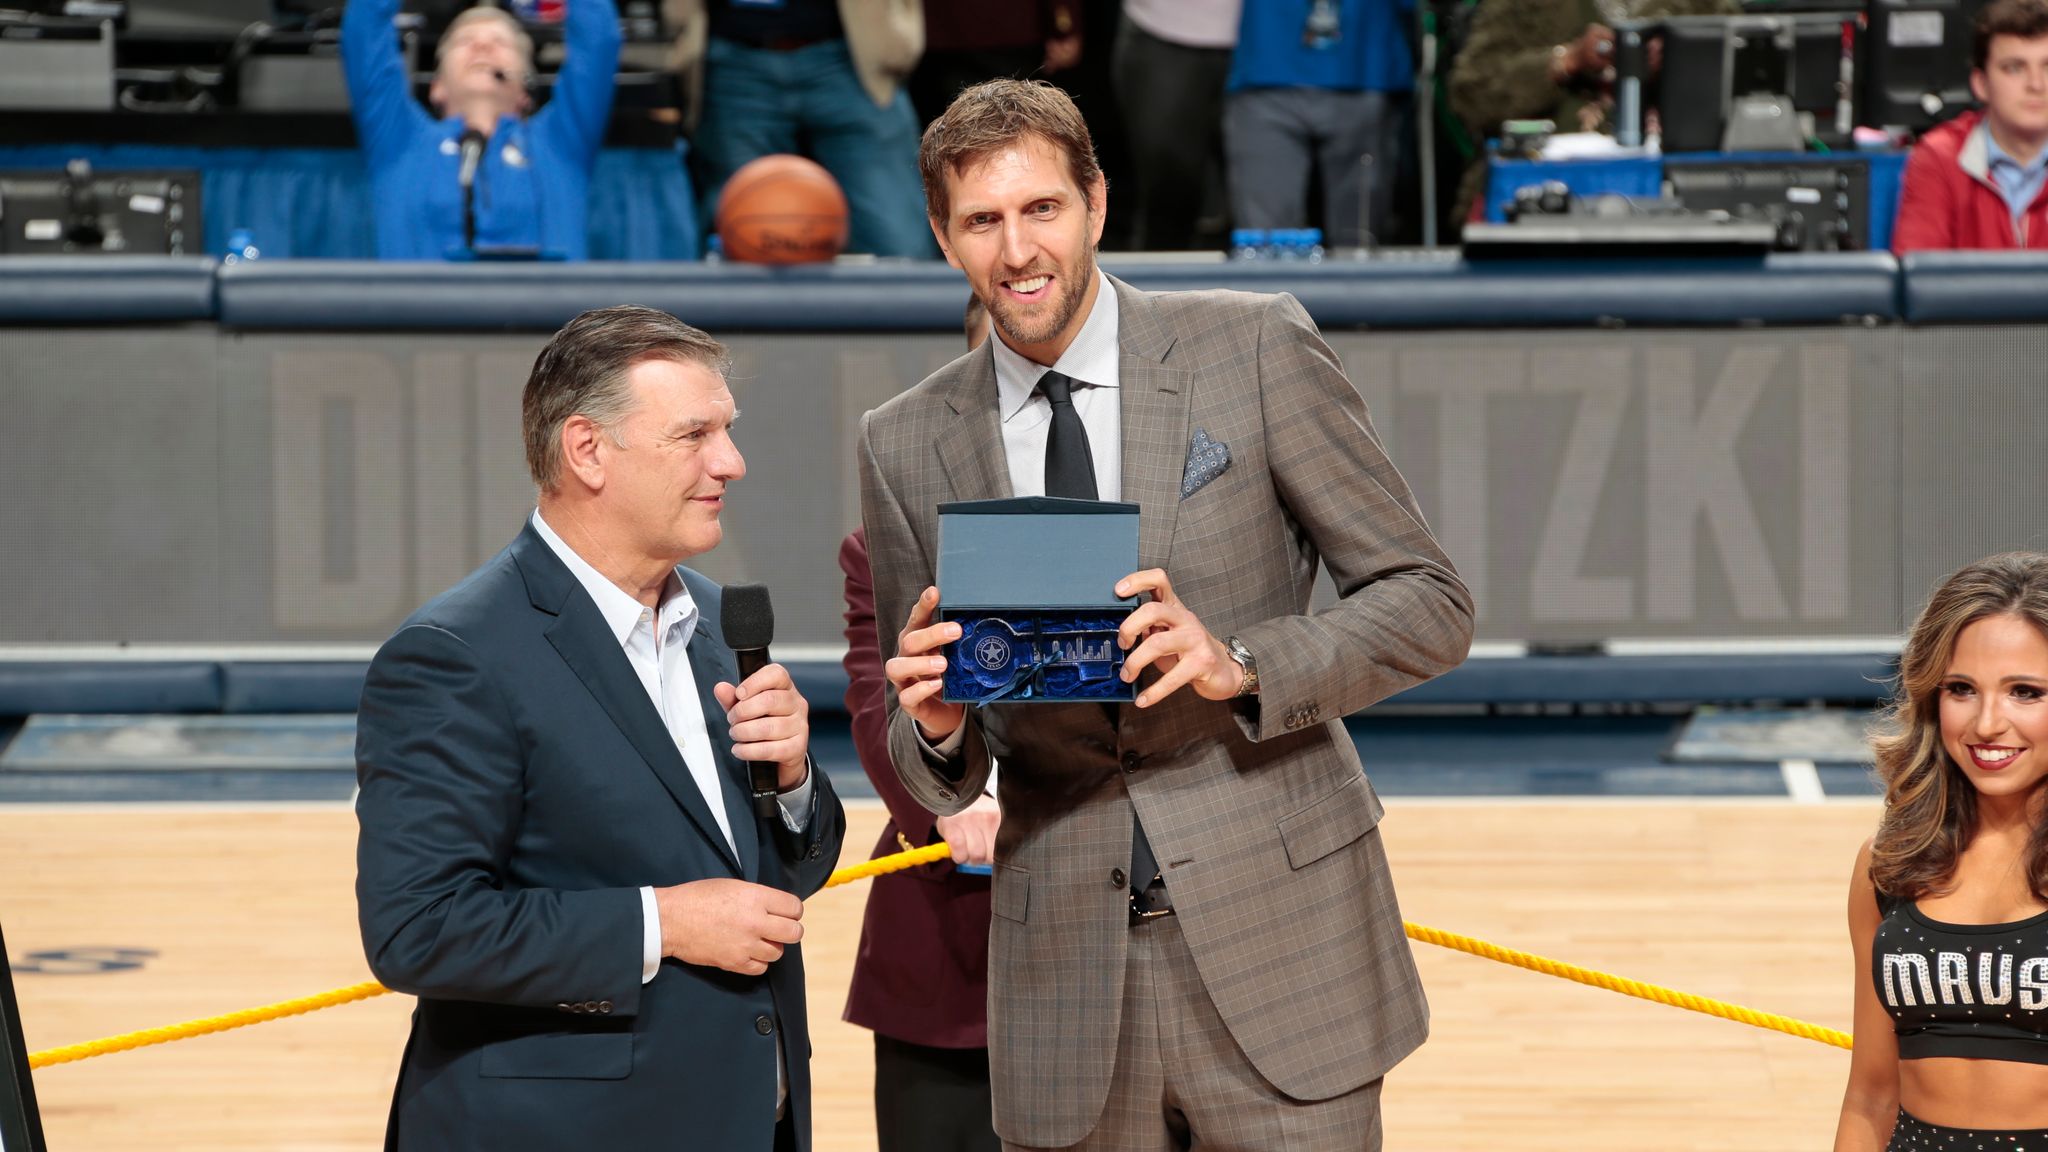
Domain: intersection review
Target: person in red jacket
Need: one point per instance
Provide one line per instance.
(920, 979)
(1979, 180)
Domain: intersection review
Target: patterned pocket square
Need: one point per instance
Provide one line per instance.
(1207, 459)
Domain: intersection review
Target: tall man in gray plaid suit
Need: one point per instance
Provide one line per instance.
(1195, 940)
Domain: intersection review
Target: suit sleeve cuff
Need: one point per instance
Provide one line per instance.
(650, 936)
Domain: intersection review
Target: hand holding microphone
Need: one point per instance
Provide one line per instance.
(770, 720)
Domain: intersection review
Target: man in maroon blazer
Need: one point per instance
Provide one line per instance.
(921, 979)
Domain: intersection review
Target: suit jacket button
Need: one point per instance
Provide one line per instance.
(563, 1008)
(590, 1006)
(1131, 761)
(816, 852)
(764, 1025)
(605, 1007)
(1117, 879)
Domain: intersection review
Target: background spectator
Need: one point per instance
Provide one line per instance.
(1978, 180)
(531, 183)
(819, 77)
(968, 41)
(1308, 98)
(1547, 60)
(1172, 60)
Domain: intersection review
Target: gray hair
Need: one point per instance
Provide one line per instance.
(583, 372)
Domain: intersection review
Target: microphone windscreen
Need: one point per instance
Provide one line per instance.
(746, 617)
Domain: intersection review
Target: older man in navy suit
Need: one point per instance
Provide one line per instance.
(557, 852)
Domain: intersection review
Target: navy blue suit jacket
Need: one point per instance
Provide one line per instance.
(518, 788)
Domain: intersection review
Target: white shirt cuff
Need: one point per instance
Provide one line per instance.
(949, 747)
(796, 803)
(650, 935)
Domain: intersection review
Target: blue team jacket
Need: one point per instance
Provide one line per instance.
(533, 187)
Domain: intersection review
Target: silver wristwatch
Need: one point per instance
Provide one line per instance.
(1249, 686)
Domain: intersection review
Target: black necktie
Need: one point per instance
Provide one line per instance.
(1070, 472)
(1069, 465)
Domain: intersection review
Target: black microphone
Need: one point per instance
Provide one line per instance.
(748, 621)
(472, 155)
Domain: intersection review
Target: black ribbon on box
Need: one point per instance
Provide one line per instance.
(1032, 582)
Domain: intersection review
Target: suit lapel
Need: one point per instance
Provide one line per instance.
(708, 666)
(971, 446)
(1155, 422)
(588, 647)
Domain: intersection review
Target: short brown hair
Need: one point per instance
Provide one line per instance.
(997, 114)
(2025, 19)
(582, 372)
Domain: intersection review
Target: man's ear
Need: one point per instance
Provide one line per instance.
(939, 234)
(1098, 208)
(583, 452)
(1978, 88)
(436, 98)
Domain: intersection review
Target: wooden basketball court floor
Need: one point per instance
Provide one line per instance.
(1739, 900)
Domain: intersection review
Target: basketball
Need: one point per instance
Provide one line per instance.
(782, 210)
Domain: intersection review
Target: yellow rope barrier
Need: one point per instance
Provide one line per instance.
(879, 866)
(1627, 987)
(930, 853)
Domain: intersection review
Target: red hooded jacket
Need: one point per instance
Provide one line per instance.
(1950, 200)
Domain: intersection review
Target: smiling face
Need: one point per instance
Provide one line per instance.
(1025, 233)
(665, 475)
(2013, 85)
(1994, 706)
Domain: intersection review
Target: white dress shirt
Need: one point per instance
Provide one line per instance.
(657, 646)
(1026, 415)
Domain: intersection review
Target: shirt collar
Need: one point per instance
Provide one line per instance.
(1996, 157)
(1091, 358)
(621, 612)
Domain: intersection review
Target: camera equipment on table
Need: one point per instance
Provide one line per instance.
(1914, 70)
(1709, 208)
(56, 63)
(81, 212)
(1815, 206)
(1739, 83)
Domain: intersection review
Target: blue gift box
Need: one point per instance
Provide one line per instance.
(1032, 583)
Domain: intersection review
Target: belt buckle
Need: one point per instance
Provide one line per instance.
(1141, 914)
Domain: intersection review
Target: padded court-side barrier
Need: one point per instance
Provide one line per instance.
(106, 289)
(1414, 291)
(1974, 288)
(1424, 292)
(28, 687)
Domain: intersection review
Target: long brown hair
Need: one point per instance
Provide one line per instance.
(1930, 807)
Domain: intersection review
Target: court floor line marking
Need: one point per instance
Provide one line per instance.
(1802, 781)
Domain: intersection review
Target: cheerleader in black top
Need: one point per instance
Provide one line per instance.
(1948, 907)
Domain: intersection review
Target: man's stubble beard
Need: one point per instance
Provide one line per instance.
(1072, 291)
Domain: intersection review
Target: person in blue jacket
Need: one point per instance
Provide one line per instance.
(1311, 91)
(532, 174)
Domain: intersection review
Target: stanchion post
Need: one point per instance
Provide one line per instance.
(21, 1126)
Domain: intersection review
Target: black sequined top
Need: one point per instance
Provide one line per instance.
(1973, 990)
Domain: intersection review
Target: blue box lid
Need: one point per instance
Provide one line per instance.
(1036, 552)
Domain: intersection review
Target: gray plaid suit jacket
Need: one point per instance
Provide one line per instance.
(1259, 811)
